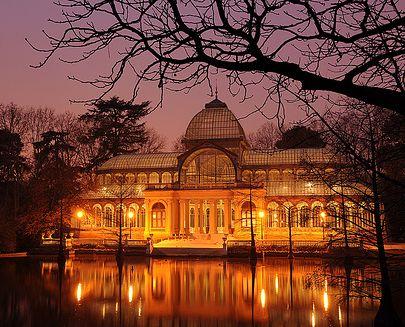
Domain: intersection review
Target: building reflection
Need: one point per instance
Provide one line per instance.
(204, 292)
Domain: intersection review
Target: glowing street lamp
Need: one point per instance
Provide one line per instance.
(323, 217)
(130, 216)
(79, 216)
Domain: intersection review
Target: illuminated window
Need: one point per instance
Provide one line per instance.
(207, 167)
(245, 214)
(158, 215)
(140, 217)
(166, 178)
(98, 214)
(316, 216)
(273, 215)
(192, 217)
(303, 216)
(108, 217)
(142, 178)
(154, 178)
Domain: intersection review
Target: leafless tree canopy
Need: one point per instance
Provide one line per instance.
(265, 137)
(350, 47)
(155, 142)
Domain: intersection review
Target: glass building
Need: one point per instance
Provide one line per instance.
(218, 186)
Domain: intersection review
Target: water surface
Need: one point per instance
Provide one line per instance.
(90, 291)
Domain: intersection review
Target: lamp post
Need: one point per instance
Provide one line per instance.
(323, 216)
(130, 216)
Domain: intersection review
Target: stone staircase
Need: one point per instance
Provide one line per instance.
(189, 247)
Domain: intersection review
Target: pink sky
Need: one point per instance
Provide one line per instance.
(50, 87)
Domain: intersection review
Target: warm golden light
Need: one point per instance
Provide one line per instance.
(130, 214)
(130, 293)
(276, 283)
(323, 215)
(116, 306)
(313, 315)
(80, 214)
(261, 214)
(103, 312)
(79, 292)
(340, 316)
(263, 298)
(325, 301)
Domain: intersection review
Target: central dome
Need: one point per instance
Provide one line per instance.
(216, 121)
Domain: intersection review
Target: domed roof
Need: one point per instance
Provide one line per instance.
(216, 121)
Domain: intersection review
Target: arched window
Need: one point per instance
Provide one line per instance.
(131, 214)
(120, 214)
(98, 214)
(142, 178)
(158, 215)
(303, 216)
(273, 215)
(140, 217)
(316, 216)
(260, 176)
(207, 167)
(192, 217)
(246, 176)
(166, 178)
(154, 178)
(130, 178)
(332, 212)
(245, 214)
(100, 179)
(108, 216)
(107, 179)
(220, 217)
(176, 177)
(274, 175)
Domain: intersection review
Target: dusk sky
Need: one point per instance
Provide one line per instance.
(50, 87)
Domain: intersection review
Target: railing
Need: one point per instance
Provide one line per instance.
(97, 242)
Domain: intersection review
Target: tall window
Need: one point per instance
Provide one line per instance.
(303, 216)
(192, 217)
(273, 216)
(140, 218)
(333, 214)
(245, 214)
(108, 217)
(207, 167)
(98, 214)
(220, 217)
(158, 215)
(316, 216)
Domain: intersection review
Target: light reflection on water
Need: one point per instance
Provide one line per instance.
(165, 292)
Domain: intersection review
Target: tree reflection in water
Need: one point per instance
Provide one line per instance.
(91, 291)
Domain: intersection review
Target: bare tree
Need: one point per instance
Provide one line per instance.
(265, 137)
(352, 48)
(361, 145)
(178, 144)
(154, 142)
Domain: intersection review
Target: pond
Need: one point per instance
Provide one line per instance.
(91, 291)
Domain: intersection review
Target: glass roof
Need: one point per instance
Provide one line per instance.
(216, 121)
(136, 161)
(285, 157)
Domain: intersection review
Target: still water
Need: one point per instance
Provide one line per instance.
(90, 291)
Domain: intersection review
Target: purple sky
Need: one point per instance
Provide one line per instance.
(50, 87)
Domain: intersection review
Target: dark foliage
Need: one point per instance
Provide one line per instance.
(299, 137)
